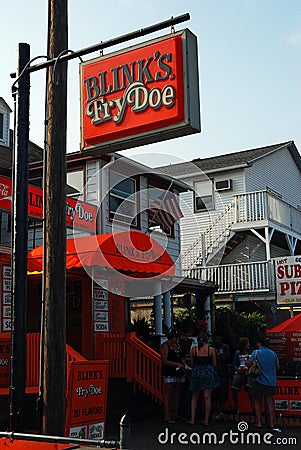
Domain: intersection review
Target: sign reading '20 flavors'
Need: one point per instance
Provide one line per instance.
(142, 94)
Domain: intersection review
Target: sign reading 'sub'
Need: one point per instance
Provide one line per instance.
(142, 94)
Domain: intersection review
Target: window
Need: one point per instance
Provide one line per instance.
(1, 126)
(5, 229)
(35, 233)
(123, 199)
(203, 195)
(75, 183)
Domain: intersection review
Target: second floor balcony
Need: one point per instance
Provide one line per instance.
(250, 210)
(254, 277)
(264, 208)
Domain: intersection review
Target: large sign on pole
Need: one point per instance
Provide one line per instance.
(288, 280)
(139, 95)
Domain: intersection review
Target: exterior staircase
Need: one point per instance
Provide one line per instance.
(135, 384)
(247, 211)
(211, 243)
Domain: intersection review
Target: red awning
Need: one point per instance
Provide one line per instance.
(292, 324)
(125, 251)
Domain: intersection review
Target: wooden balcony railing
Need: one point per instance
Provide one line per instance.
(231, 278)
(245, 209)
(266, 205)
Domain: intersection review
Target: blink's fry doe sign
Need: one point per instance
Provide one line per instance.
(87, 399)
(139, 95)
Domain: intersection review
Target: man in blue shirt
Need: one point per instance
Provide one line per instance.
(264, 384)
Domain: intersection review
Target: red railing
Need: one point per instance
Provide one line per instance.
(144, 367)
(132, 359)
(112, 347)
(128, 358)
(33, 361)
(71, 355)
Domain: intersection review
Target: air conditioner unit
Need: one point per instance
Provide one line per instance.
(223, 185)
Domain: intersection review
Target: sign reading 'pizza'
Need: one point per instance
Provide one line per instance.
(143, 94)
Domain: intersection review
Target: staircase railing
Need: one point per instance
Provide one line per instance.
(197, 253)
(33, 361)
(218, 230)
(128, 358)
(245, 209)
(144, 367)
(132, 359)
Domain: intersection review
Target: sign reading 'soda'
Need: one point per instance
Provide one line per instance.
(139, 95)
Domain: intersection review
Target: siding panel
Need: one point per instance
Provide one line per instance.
(279, 172)
(193, 224)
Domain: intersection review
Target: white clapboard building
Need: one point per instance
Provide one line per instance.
(244, 209)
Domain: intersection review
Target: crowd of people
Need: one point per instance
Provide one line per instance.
(191, 367)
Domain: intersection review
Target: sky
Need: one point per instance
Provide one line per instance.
(249, 67)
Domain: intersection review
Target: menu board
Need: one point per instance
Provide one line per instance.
(287, 345)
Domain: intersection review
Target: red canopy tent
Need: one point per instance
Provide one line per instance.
(292, 324)
(129, 252)
(285, 339)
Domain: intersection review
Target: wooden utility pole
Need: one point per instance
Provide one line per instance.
(19, 247)
(54, 370)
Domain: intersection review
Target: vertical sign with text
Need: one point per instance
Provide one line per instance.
(87, 399)
(6, 298)
(100, 306)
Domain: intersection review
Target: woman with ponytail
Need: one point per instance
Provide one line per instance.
(204, 376)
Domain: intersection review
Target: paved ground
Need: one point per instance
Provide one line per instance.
(151, 434)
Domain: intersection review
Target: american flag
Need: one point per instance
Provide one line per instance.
(165, 209)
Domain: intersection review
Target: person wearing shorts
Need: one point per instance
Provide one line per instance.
(173, 375)
(264, 385)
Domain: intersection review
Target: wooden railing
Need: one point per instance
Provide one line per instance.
(245, 209)
(33, 361)
(112, 347)
(244, 277)
(144, 367)
(132, 359)
(212, 237)
(128, 357)
(266, 205)
(71, 355)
